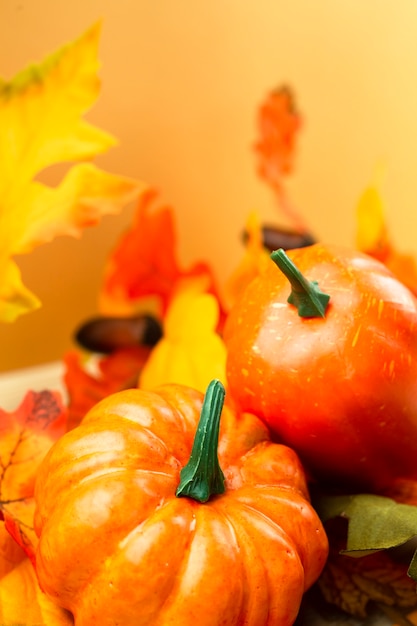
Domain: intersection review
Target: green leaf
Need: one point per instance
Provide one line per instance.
(412, 570)
(374, 523)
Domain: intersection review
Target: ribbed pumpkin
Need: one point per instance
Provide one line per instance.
(118, 546)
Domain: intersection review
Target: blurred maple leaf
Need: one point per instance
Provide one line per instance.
(279, 123)
(144, 264)
(41, 117)
(120, 370)
(373, 238)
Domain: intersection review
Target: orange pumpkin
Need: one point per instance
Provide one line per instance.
(127, 539)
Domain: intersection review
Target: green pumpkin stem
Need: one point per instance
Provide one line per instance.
(305, 294)
(202, 477)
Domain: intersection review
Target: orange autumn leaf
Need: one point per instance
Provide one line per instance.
(373, 238)
(23, 602)
(18, 523)
(42, 120)
(120, 370)
(191, 352)
(25, 436)
(278, 126)
(11, 553)
(144, 264)
(279, 123)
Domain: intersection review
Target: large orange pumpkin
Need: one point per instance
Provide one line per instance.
(119, 547)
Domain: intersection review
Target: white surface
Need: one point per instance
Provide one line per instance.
(15, 384)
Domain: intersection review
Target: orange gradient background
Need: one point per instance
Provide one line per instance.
(181, 83)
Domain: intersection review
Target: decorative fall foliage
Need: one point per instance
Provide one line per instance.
(143, 273)
(42, 111)
(87, 386)
(353, 584)
(41, 116)
(374, 238)
(278, 125)
(25, 436)
(143, 269)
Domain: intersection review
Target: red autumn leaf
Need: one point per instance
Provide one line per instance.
(120, 370)
(25, 436)
(278, 125)
(144, 264)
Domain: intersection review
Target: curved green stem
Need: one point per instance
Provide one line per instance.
(202, 477)
(305, 294)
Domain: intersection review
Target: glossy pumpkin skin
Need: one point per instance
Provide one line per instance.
(117, 547)
(341, 390)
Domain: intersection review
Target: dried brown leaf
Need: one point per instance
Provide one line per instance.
(352, 584)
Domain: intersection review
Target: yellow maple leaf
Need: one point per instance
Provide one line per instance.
(374, 238)
(372, 234)
(191, 352)
(42, 124)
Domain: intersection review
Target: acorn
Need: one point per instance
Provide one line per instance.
(107, 334)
